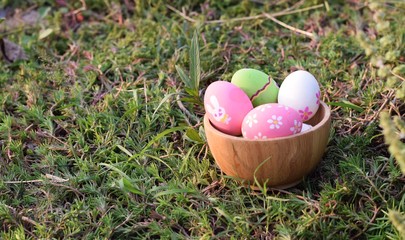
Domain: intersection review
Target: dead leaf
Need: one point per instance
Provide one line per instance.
(79, 17)
(61, 3)
(31, 17)
(11, 51)
(88, 55)
(70, 69)
(3, 14)
(156, 216)
(22, 19)
(56, 179)
(44, 33)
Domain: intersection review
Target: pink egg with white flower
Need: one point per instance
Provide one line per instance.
(271, 120)
(226, 106)
(300, 90)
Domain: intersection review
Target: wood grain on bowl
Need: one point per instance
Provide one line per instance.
(280, 162)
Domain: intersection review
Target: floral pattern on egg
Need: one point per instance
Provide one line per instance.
(251, 120)
(260, 136)
(305, 113)
(297, 127)
(318, 97)
(270, 121)
(275, 122)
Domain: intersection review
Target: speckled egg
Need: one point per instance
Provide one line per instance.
(226, 106)
(271, 120)
(300, 90)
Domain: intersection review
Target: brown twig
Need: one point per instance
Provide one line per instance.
(303, 198)
(77, 192)
(127, 219)
(288, 12)
(186, 112)
(9, 154)
(294, 6)
(51, 177)
(181, 14)
(308, 34)
(396, 75)
(23, 218)
(377, 113)
(263, 15)
(200, 152)
(375, 212)
(28, 181)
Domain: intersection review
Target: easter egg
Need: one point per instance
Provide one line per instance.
(300, 90)
(271, 120)
(260, 87)
(305, 127)
(226, 106)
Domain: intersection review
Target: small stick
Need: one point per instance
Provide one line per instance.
(283, 13)
(200, 152)
(387, 99)
(127, 219)
(396, 75)
(263, 15)
(29, 181)
(185, 111)
(236, 19)
(56, 179)
(308, 34)
(78, 193)
(188, 114)
(296, 5)
(46, 134)
(9, 154)
(24, 218)
(53, 179)
(180, 13)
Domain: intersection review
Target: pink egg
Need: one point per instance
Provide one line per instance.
(226, 105)
(271, 121)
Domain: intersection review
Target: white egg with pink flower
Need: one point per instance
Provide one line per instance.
(300, 90)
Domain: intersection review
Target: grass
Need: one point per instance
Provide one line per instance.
(95, 145)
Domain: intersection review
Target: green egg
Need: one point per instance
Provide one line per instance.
(260, 87)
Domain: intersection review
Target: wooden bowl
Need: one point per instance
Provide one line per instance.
(280, 162)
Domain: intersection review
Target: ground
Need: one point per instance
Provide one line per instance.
(100, 140)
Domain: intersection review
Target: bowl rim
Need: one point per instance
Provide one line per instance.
(207, 122)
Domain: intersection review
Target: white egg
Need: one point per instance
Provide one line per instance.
(305, 127)
(300, 90)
